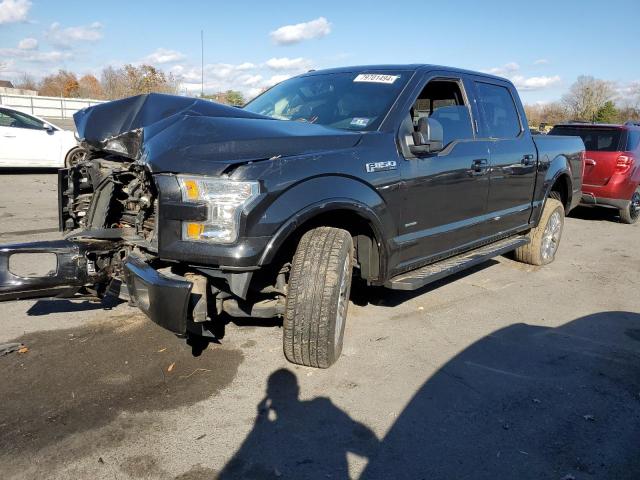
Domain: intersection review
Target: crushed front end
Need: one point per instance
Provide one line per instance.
(168, 243)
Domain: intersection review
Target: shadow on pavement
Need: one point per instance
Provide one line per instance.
(295, 438)
(363, 295)
(45, 307)
(525, 402)
(602, 214)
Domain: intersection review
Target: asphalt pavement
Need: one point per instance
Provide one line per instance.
(504, 372)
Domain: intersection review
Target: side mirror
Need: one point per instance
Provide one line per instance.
(428, 138)
(49, 129)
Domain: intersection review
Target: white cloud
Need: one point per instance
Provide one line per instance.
(535, 83)
(28, 44)
(252, 80)
(277, 79)
(7, 65)
(511, 71)
(67, 37)
(541, 61)
(35, 56)
(163, 55)
(291, 64)
(12, 11)
(504, 70)
(290, 34)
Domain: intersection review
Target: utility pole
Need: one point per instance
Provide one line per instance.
(202, 62)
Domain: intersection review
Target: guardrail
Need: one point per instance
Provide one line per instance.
(50, 107)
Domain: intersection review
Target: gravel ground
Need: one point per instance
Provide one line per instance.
(506, 371)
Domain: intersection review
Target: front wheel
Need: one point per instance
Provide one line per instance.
(545, 238)
(631, 214)
(318, 297)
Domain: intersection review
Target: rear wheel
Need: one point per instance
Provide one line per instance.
(545, 238)
(632, 212)
(318, 297)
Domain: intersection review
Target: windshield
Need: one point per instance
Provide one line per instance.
(596, 139)
(351, 101)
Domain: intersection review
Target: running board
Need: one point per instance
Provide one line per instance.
(422, 276)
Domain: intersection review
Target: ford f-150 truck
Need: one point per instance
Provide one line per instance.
(391, 176)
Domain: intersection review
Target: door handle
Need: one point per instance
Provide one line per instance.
(527, 160)
(9, 136)
(590, 161)
(479, 166)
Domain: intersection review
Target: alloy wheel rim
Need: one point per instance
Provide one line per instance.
(342, 301)
(551, 236)
(76, 157)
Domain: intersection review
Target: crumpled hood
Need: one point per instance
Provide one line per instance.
(181, 134)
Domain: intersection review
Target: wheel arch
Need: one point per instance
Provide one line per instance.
(345, 213)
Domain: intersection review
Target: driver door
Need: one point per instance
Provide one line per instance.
(447, 190)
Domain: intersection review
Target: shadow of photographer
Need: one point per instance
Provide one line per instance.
(522, 402)
(294, 438)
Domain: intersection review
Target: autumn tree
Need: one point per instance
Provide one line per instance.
(90, 87)
(135, 80)
(26, 82)
(586, 96)
(548, 113)
(230, 97)
(61, 84)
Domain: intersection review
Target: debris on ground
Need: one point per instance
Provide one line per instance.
(170, 367)
(589, 418)
(7, 348)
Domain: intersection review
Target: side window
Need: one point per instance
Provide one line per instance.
(500, 113)
(7, 120)
(633, 140)
(25, 121)
(443, 102)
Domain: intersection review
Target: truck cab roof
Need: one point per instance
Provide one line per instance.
(413, 67)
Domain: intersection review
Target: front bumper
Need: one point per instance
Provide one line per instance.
(164, 298)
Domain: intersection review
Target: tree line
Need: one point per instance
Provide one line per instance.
(115, 83)
(589, 100)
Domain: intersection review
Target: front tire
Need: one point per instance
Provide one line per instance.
(631, 214)
(545, 238)
(318, 297)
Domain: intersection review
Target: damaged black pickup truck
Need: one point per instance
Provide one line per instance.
(392, 176)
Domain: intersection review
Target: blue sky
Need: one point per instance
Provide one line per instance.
(542, 46)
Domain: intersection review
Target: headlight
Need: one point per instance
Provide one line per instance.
(225, 198)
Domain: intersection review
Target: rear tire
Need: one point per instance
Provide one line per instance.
(545, 238)
(318, 297)
(631, 214)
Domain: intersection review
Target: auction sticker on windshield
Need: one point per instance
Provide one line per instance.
(376, 78)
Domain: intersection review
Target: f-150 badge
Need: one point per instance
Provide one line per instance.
(381, 166)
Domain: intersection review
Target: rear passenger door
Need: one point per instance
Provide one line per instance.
(513, 156)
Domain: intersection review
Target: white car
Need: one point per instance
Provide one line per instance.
(27, 141)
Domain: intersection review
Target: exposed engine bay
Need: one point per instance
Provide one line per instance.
(125, 194)
(130, 232)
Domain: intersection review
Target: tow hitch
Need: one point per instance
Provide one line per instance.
(73, 269)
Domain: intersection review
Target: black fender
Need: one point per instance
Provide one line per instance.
(551, 172)
(324, 194)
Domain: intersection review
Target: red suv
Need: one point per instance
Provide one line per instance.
(612, 171)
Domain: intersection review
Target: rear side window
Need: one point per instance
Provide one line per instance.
(595, 139)
(633, 140)
(500, 113)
